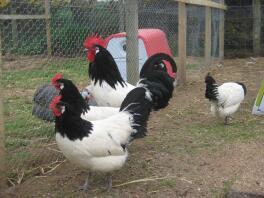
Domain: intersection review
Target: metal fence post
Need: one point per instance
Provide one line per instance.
(181, 74)
(2, 136)
(131, 7)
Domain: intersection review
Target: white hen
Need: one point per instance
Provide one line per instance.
(226, 98)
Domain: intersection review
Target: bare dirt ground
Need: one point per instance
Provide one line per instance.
(178, 163)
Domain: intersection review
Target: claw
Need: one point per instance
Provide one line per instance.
(226, 119)
(108, 186)
(86, 187)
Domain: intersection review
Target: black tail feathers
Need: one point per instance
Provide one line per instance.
(160, 84)
(156, 62)
(244, 87)
(211, 92)
(155, 78)
(138, 102)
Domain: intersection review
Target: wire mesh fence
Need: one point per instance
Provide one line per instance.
(239, 30)
(27, 64)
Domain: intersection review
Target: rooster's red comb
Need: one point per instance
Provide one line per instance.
(93, 40)
(55, 78)
(53, 105)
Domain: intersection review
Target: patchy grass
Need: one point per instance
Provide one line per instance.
(23, 131)
(192, 66)
(184, 142)
(75, 69)
(218, 133)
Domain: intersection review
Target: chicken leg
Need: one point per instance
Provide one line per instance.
(108, 186)
(226, 120)
(87, 183)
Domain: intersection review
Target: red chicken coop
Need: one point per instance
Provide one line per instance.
(150, 42)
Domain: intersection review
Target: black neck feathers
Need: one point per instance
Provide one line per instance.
(71, 95)
(71, 125)
(104, 68)
(211, 91)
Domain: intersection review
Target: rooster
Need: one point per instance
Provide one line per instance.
(72, 96)
(107, 85)
(101, 145)
(226, 98)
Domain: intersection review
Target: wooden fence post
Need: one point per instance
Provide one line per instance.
(14, 29)
(222, 33)
(181, 74)
(2, 136)
(208, 35)
(256, 26)
(132, 41)
(48, 26)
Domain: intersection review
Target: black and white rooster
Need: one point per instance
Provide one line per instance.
(76, 100)
(226, 98)
(107, 85)
(101, 146)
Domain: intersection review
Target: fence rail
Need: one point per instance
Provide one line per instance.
(206, 3)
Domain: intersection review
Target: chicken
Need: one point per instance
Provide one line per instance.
(42, 98)
(101, 145)
(226, 98)
(72, 96)
(45, 93)
(107, 85)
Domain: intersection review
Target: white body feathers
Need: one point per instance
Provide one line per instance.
(97, 113)
(102, 150)
(105, 95)
(230, 95)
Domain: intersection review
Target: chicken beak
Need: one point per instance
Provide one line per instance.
(85, 50)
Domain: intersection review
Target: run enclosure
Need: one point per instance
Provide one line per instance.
(39, 38)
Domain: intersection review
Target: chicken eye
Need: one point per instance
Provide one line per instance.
(61, 86)
(62, 109)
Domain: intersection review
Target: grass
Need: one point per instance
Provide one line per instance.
(187, 134)
(218, 132)
(23, 131)
(223, 192)
(192, 66)
(197, 136)
(29, 79)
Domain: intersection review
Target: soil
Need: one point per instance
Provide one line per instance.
(234, 169)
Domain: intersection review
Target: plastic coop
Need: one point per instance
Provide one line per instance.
(150, 41)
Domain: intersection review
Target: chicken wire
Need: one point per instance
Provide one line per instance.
(239, 29)
(31, 149)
